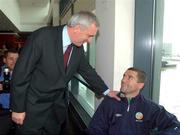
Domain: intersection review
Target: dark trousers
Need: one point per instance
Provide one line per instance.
(64, 128)
(5, 123)
(46, 129)
(51, 122)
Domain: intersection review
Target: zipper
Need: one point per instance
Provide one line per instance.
(128, 107)
(129, 104)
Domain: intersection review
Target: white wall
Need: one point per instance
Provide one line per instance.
(114, 50)
(11, 9)
(124, 38)
(33, 18)
(26, 18)
(105, 11)
(88, 5)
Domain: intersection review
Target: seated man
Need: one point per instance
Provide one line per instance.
(9, 59)
(134, 114)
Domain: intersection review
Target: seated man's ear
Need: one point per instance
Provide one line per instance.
(141, 85)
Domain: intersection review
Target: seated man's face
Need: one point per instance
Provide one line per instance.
(129, 84)
(11, 59)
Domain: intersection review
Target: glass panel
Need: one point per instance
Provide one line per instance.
(86, 98)
(170, 61)
(83, 95)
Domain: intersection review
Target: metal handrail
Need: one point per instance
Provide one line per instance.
(84, 83)
(65, 5)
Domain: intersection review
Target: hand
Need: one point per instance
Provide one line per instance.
(1, 87)
(113, 94)
(18, 118)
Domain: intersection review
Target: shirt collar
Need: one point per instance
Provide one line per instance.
(66, 38)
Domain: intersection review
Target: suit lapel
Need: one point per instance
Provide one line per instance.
(59, 51)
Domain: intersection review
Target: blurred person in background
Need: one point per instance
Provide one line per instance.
(9, 59)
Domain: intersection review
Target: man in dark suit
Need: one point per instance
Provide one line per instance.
(39, 82)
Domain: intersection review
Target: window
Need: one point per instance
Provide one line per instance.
(79, 90)
(170, 57)
(156, 50)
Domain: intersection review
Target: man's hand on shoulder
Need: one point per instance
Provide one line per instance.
(113, 94)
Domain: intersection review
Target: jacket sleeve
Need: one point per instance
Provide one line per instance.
(22, 73)
(91, 76)
(99, 122)
(165, 122)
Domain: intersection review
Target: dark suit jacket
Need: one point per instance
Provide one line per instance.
(39, 79)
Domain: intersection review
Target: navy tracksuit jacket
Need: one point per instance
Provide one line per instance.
(137, 117)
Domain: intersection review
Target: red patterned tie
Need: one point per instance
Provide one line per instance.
(66, 55)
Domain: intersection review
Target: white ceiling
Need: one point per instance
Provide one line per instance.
(39, 3)
(30, 11)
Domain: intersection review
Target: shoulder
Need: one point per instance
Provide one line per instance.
(48, 28)
(107, 107)
(46, 32)
(151, 105)
(109, 102)
(109, 99)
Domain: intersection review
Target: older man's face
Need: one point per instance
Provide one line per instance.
(84, 35)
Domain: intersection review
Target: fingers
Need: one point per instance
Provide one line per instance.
(113, 94)
(18, 118)
(1, 86)
(18, 121)
(117, 98)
